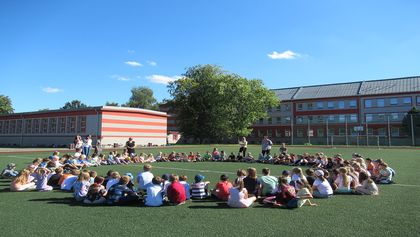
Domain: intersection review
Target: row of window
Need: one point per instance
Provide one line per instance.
(53, 125)
(333, 118)
(282, 107)
(394, 101)
(392, 117)
(320, 105)
(321, 132)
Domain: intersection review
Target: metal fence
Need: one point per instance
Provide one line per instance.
(384, 131)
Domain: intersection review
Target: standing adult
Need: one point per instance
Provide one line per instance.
(243, 144)
(266, 146)
(130, 145)
(87, 145)
(78, 143)
(98, 146)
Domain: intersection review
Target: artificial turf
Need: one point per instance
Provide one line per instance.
(395, 212)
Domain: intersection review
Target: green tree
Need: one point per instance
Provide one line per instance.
(74, 104)
(414, 114)
(214, 104)
(142, 97)
(5, 105)
(111, 104)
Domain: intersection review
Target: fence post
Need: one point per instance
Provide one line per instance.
(389, 133)
(347, 137)
(327, 129)
(413, 141)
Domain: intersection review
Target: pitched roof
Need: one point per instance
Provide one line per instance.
(385, 86)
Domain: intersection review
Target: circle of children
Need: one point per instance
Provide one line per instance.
(323, 177)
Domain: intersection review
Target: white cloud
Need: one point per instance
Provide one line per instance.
(152, 63)
(161, 79)
(133, 64)
(120, 78)
(51, 90)
(288, 54)
(130, 51)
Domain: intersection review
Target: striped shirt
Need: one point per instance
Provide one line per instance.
(198, 190)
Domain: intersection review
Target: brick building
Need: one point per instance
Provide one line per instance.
(59, 127)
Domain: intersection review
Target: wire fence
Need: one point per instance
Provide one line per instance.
(381, 130)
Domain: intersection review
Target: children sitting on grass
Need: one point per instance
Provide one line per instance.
(200, 188)
(221, 190)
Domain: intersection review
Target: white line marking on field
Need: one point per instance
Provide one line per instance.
(202, 171)
(227, 172)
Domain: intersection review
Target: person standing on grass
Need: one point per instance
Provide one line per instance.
(87, 145)
(243, 145)
(266, 146)
(130, 145)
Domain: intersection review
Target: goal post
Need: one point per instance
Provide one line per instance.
(357, 140)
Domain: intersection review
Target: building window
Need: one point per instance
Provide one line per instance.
(299, 106)
(330, 104)
(353, 118)
(393, 101)
(331, 131)
(395, 132)
(299, 132)
(269, 133)
(19, 126)
(380, 117)
(320, 132)
(342, 131)
(341, 104)
(81, 124)
(6, 127)
(62, 125)
(52, 125)
(370, 131)
(394, 116)
(342, 118)
(331, 118)
(12, 126)
(269, 121)
(299, 119)
(319, 105)
(418, 100)
(287, 107)
(352, 103)
(320, 118)
(368, 103)
(278, 133)
(278, 120)
(278, 108)
(310, 118)
(288, 119)
(380, 102)
(381, 131)
(71, 125)
(35, 126)
(407, 100)
(44, 125)
(28, 126)
(287, 133)
(261, 121)
(310, 106)
(369, 117)
(1, 127)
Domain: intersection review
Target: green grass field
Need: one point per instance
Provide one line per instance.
(395, 212)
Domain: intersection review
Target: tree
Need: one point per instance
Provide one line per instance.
(74, 104)
(211, 103)
(5, 105)
(142, 97)
(414, 114)
(111, 104)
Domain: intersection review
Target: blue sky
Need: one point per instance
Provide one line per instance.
(52, 52)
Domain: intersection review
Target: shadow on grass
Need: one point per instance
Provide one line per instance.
(204, 200)
(220, 205)
(72, 202)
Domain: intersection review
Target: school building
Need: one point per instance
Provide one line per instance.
(113, 125)
(363, 112)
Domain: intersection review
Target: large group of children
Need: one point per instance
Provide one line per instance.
(323, 177)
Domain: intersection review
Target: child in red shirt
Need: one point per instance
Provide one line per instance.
(176, 191)
(221, 190)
